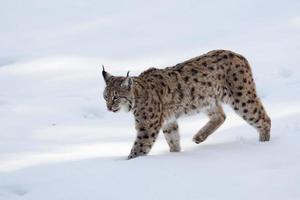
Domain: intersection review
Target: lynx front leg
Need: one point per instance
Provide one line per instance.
(216, 118)
(171, 134)
(146, 137)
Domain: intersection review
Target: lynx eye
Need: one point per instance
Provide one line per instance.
(115, 98)
(105, 97)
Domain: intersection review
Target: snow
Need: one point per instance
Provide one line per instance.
(58, 141)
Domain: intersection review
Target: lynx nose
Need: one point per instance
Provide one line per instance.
(109, 108)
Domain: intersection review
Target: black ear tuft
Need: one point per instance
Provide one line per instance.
(105, 75)
(103, 72)
(127, 82)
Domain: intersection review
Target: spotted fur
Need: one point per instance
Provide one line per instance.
(158, 97)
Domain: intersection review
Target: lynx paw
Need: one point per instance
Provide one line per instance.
(264, 137)
(175, 149)
(199, 138)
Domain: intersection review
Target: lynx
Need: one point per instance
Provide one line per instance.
(158, 97)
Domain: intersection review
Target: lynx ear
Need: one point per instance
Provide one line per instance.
(127, 82)
(105, 75)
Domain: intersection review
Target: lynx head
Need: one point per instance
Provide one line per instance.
(118, 93)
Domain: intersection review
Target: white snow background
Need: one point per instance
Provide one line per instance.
(58, 141)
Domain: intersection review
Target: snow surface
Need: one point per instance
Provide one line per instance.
(58, 141)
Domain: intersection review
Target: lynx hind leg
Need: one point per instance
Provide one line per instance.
(243, 98)
(253, 112)
(261, 122)
(216, 119)
(172, 136)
